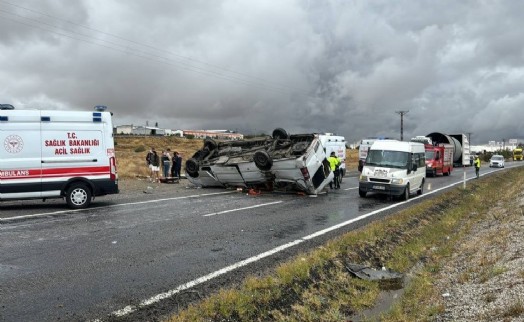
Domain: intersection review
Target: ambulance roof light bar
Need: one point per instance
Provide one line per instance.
(100, 108)
(6, 107)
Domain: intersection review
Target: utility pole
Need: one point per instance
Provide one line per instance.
(402, 113)
(469, 137)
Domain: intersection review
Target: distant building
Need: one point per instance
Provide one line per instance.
(214, 134)
(124, 129)
(154, 130)
(139, 130)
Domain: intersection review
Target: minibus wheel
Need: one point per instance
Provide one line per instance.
(192, 168)
(405, 196)
(262, 160)
(78, 195)
(280, 134)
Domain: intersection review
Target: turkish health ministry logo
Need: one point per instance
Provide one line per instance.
(13, 144)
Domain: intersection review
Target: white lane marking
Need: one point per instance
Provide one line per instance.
(350, 188)
(113, 206)
(152, 300)
(244, 208)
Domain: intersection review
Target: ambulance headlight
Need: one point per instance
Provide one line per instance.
(363, 178)
(397, 181)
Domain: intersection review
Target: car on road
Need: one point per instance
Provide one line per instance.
(496, 161)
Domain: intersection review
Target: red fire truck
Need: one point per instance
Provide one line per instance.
(439, 159)
(439, 156)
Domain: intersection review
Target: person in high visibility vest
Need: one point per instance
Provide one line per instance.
(334, 165)
(477, 165)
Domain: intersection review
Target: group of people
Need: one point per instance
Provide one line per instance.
(167, 164)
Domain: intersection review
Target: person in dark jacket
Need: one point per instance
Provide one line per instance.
(149, 158)
(177, 165)
(155, 167)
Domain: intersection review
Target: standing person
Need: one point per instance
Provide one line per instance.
(477, 165)
(177, 165)
(334, 165)
(165, 163)
(170, 156)
(149, 157)
(155, 167)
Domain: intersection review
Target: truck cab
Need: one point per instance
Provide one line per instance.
(517, 154)
(439, 159)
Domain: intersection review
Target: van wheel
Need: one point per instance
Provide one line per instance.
(405, 196)
(420, 191)
(362, 193)
(78, 196)
(210, 144)
(192, 168)
(280, 134)
(262, 160)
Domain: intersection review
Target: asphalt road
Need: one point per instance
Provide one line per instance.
(116, 258)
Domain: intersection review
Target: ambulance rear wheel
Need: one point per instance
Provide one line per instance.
(78, 196)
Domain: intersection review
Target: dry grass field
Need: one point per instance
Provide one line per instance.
(131, 152)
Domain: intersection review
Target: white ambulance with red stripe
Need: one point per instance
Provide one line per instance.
(56, 154)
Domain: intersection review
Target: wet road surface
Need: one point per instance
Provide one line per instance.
(112, 259)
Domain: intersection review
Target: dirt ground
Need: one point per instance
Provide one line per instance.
(132, 150)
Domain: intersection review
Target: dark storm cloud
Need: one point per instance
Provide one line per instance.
(331, 66)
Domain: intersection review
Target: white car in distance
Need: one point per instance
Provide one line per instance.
(496, 161)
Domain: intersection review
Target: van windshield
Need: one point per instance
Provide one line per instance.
(388, 159)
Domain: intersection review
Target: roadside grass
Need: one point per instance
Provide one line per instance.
(515, 309)
(316, 286)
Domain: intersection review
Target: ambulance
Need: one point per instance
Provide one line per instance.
(57, 154)
(337, 144)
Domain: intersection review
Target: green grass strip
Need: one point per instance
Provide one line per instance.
(316, 286)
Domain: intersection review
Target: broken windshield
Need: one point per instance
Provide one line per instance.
(388, 159)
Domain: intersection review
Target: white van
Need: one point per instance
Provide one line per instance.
(363, 148)
(297, 162)
(227, 163)
(394, 168)
(337, 144)
(56, 154)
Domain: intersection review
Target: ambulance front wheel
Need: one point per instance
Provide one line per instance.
(78, 196)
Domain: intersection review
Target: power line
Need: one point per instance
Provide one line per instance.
(218, 71)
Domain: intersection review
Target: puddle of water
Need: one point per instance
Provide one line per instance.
(391, 291)
(384, 302)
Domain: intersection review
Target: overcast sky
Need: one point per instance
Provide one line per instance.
(253, 65)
